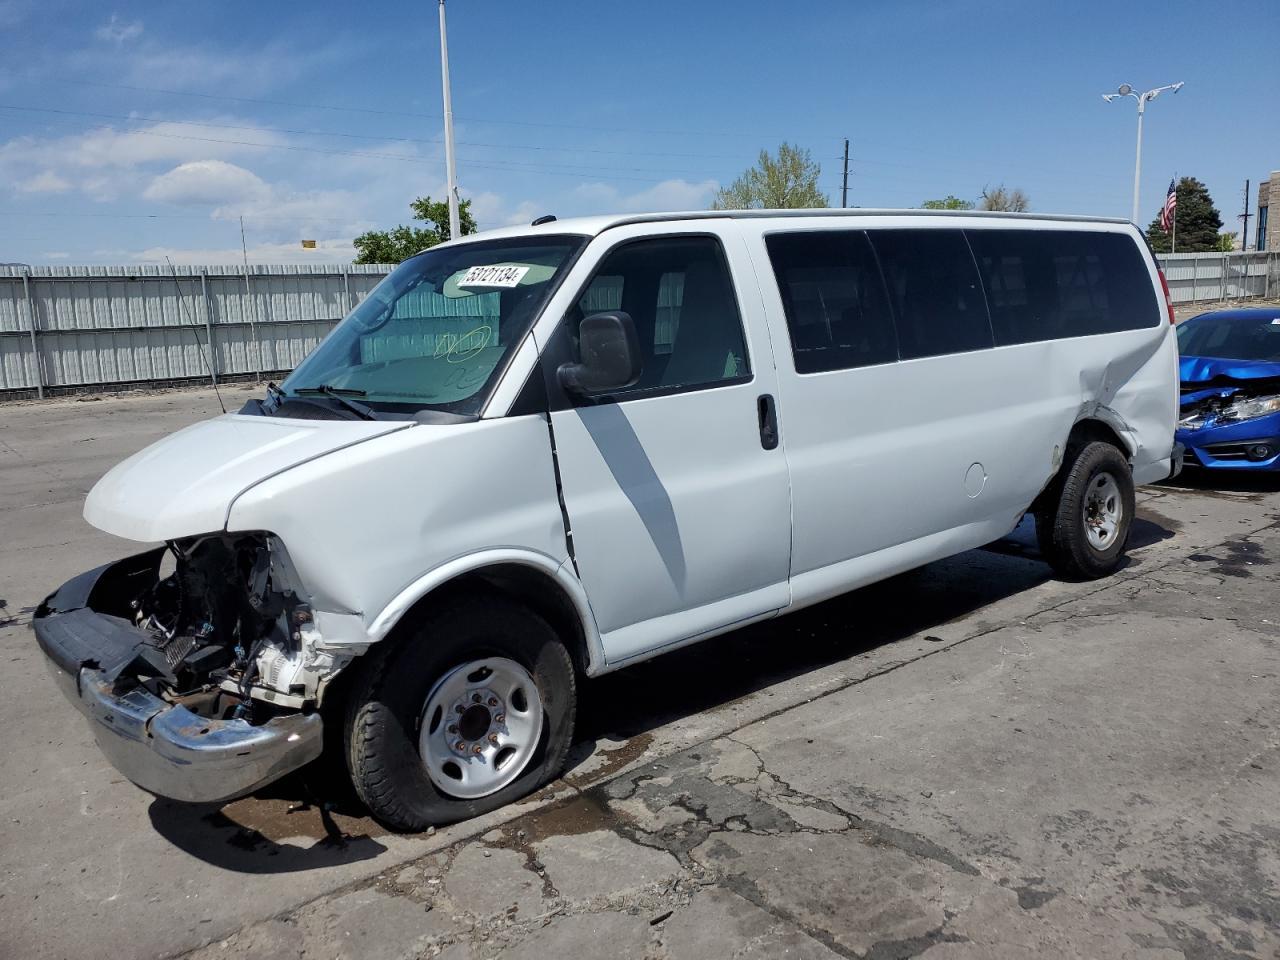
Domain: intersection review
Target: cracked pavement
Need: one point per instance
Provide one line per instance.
(971, 760)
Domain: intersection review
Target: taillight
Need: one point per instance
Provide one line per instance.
(1168, 300)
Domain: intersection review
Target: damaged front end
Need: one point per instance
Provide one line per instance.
(197, 664)
(1231, 424)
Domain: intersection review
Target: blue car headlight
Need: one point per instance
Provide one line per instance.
(1237, 411)
(1250, 408)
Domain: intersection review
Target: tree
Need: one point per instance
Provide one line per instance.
(402, 242)
(1227, 241)
(947, 203)
(1197, 219)
(787, 181)
(1002, 198)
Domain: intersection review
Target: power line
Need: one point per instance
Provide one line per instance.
(596, 170)
(435, 116)
(434, 141)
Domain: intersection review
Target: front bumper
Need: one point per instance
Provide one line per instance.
(1229, 448)
(163, 747)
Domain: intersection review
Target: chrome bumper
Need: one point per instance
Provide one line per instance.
(162, 747)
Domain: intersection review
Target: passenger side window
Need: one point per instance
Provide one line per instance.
(1049, 284)
(935, 291)
(680, 296)
(837, 313)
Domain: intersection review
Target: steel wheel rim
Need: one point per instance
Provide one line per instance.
(1103, 511)
(480, 727)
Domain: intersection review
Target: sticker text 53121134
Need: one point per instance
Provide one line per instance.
(494, 275)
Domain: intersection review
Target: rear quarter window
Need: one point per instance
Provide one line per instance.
(1051, 284)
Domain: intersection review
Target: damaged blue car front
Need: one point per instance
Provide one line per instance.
(1230, 372)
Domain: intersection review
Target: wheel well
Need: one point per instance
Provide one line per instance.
(1083, 432)
(1089, 430)
(526, 585)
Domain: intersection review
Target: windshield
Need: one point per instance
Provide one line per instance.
(1231, 338)
(438, 331)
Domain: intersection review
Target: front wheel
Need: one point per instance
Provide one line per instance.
(1082, 531)
(469, 711)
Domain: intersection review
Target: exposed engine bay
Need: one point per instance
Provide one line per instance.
(227, 634)
(1205, 405)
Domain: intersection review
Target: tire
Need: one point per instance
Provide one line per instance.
(1097, 483)
(386, 716)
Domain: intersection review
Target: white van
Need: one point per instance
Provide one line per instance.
(542, 453)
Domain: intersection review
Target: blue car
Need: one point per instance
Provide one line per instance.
(1230, 371)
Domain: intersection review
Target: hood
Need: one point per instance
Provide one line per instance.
(184, 485)
(1207, 370)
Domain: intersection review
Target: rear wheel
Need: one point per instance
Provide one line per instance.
(472, 709)
(1082, 530)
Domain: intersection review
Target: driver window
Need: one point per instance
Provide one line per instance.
(680, 296)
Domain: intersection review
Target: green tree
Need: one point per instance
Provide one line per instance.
(947, 203)
(787, 181)
(1227, 241)
(1197, 219)
(1002, 198)
(402, 242)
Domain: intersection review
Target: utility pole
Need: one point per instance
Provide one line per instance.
(1244, 231)
(253, 320)
(450, 171)
(844, 192)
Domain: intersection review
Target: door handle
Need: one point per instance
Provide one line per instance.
(767, 411)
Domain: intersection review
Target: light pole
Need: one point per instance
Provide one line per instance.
(449, 165)
(1126, 90)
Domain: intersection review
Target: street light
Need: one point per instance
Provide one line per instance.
(449, 164)
(1126, 90)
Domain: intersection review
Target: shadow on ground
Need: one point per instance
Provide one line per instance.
(312, 819)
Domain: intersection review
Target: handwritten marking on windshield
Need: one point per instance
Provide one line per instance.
(459, 349)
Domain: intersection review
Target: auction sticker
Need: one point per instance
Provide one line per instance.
(496, 275)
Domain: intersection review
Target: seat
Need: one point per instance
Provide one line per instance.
(708, 342)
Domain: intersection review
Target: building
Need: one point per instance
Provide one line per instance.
(1267, 239)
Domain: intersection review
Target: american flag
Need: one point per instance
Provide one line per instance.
(1170, 204)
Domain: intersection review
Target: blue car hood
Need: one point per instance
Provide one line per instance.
(1208, 370)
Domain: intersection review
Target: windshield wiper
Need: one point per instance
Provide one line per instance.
(341, 394)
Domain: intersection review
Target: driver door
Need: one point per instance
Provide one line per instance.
(676, 490)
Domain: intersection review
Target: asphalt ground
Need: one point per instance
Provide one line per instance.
(970, 760)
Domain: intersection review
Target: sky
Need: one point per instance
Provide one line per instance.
(132, 132)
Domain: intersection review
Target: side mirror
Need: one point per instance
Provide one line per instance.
(610, 352)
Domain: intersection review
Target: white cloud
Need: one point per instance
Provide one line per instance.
(668, 195)
(105, 163)
(56, 255)
(118, 31)
(492, 210)
(45, 182)
(207, 182)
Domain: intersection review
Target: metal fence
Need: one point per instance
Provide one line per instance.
(1221, 276)
(69, 327)
(64, 328)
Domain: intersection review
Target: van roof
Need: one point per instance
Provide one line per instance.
(591, 226)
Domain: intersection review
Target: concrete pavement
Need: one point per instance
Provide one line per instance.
(971, 760)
